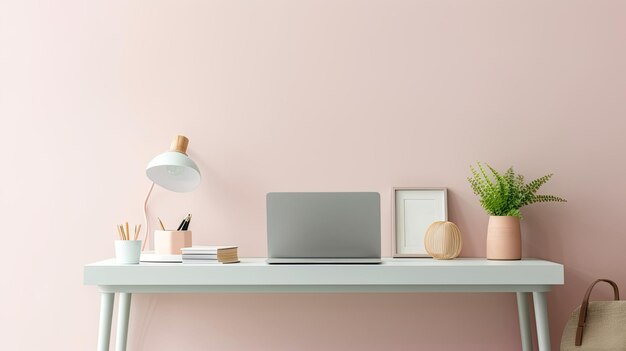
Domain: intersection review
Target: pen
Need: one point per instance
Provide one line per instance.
(180, 227)
(186, 226)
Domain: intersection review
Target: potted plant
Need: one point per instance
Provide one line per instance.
(502, 196)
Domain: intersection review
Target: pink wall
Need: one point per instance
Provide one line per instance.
(285, 95)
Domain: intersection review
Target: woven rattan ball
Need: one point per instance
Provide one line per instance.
(443, 240)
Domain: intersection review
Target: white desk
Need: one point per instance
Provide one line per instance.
(393, 275)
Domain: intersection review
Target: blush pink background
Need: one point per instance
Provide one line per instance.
(283, 95)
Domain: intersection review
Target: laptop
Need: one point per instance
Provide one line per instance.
(334, 227)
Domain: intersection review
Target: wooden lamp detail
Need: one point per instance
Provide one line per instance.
(179, 144)
(443, 240)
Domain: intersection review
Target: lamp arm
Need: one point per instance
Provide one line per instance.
(145, 217)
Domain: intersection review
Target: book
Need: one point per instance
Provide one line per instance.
(210, 260)
(210, 254)
(203, 256)
(207, 249)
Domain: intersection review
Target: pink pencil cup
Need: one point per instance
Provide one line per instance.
(169, 242)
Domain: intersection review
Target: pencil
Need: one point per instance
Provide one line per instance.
(119, 233)
(127, 232)
(138, 231)
(123, 234)
(161, 223)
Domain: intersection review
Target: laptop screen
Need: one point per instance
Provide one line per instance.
(323, 225)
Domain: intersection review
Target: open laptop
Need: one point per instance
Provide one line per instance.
(323, 227)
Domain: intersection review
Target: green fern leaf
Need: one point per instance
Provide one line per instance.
(504, 194)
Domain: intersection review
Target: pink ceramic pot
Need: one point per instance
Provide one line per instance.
(504, 238)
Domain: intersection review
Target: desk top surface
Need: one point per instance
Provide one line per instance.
(403, 271)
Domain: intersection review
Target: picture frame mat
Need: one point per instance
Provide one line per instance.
(413, 210)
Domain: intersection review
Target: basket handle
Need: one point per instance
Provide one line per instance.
(583, 308)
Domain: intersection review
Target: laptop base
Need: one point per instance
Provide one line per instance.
(328, 260)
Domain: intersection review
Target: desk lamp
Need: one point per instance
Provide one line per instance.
(172, 170)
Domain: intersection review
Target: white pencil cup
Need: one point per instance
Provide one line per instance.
(127, 251)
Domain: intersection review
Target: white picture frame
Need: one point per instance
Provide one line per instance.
(413, 210)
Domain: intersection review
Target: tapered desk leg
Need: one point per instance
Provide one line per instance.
(123, 315)
(106, 314)
(541, 318)
(524, 321)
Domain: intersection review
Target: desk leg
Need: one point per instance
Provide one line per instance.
(106, 314)
(123, 315)
(541, 318)
(524, 321)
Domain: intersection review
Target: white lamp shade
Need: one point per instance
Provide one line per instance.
(174, 171)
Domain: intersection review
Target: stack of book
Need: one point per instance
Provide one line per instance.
(210, 254)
